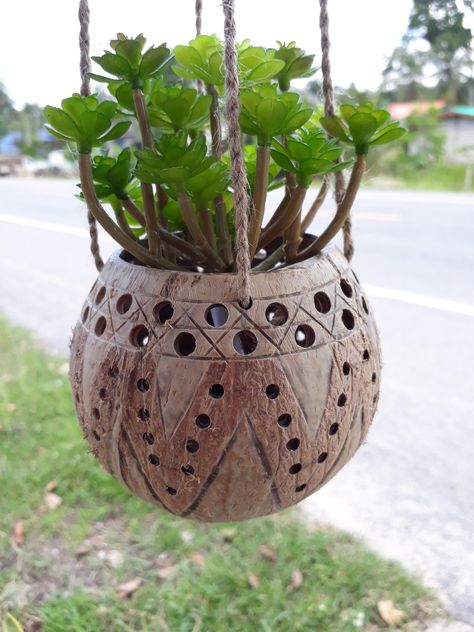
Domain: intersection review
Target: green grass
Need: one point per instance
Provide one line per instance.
(435, 178)
(194, 577)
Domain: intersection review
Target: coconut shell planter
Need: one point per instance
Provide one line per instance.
(224, 367)
(216, 412)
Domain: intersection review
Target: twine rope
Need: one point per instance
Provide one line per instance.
(328, 93)
(84, 67)
(239, 175)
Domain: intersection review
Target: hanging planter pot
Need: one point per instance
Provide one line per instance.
(221, 369)
(216, 412)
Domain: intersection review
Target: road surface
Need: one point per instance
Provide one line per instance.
(408, 492)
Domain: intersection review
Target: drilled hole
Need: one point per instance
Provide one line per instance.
(124, 303)
(85, 314)
(322, 457)
(185, 344)
(276, 314)
(171, 491)
(300, 487)
(293, 444)
(203, 421)
(99, 297)
(346, 288)
(305, 336)
(284, 420)
(248, 306)
(188, 470)
(245, 342)
(139, 336)
(334, 428)
(192, 446)
(365, 306)
(148, 438)
(366, 354)
(342, 399)
(272, 391)
(348, 319)
(295, 468)
(216, 391)
(96, 413)
(154, 460)
(143, 385)
(374, 377)
(113, 371)
(144, 414)
(100, 326)
(322, 302)
(163, 311)
(96, 435)
(346, 368)
(103, 393)
(217, 315)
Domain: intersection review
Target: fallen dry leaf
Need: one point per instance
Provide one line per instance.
(254, 580)
(165, 572)
(267, 552)
(389, 613)
(84, 549)
(198, 559)
(114, 558)
(51, 486)
(52, 500)
(128, 588)
(11, 407)
(18, 535)
(296, 580)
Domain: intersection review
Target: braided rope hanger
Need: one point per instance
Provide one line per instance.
(232, 109)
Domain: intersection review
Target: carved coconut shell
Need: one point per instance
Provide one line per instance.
(215, 412)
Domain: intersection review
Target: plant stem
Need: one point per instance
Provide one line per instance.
(196, 233)
(147, 189)
(271, 260)
(122, 222)
(259, 197)
(225, 246)
(316, 205)
(342, 212)
(286, 219)
(280, 211)
(173, 240)
(208, 227)
(95, 207)
(293, 235)
(130, 206)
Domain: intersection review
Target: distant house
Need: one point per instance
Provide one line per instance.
(457, 122)
(458, 125)
(11, 160)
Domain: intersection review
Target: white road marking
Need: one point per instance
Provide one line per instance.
(373, 290)
(53, 227)
(420, 299)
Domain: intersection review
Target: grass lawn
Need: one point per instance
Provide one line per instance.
(80, 554)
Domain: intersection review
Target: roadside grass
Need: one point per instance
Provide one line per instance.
(69, 568)
(435, 178)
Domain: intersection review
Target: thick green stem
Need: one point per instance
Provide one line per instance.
(122, 222)
(97, 210)
(342, 212)
(277, 215)
(316, 205)
(286, 219)
(293, 237)
(259, 198)
(147, 189)
(196, 233)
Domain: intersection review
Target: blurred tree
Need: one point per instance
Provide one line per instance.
(7, 111)
(436, 45)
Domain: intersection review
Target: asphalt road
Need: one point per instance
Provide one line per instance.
(408, 492)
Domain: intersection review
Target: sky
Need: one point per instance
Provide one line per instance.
(39, 47)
